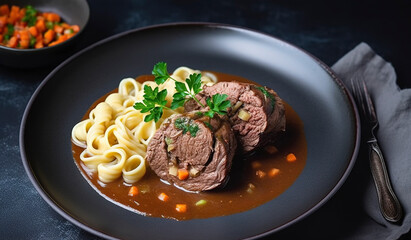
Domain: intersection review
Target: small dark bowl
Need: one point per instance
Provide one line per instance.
(71, 11)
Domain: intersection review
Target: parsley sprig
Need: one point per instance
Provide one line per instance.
(30, 16)
(218, 104)
(180, 97)
(154, 100)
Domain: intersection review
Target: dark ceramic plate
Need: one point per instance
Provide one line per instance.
(330, 121)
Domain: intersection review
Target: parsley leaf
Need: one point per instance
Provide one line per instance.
(218, 104)
(154, 102)
(10, 31)
(160, 72)
(187, 125)
(194, 87)
(194, 83)
(267, 94)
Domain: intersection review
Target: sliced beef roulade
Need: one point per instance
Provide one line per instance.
(257, 114)
(192, 151)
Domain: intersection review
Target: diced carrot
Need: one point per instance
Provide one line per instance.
(3, 21)
(24, 43)
(75, 28)
(22, 12)
(70, 35)
(65, 25)
(49, 36)
(41, 25)
(52, 17)
(181, 208)
(291, 157)
(33, 31)
(48, 30)
(58, 29)
(183, 174)
(39, 44)
(12, 42)
(273, 172)
(4, 10)
(163, 197)
(61, 39)
(260, 173)
(13, 15)
(133, 191)
(24, 35)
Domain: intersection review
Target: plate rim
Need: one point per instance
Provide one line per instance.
(50, 201)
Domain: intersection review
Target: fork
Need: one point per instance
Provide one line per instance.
(390, 207)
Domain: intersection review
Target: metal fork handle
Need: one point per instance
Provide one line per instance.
(389, 204)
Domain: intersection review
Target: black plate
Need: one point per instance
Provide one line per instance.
(330, 122)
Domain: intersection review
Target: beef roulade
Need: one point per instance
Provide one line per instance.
(192, 151)
(257, 115)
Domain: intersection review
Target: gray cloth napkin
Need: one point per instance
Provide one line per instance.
(393, 107)
(353, 213)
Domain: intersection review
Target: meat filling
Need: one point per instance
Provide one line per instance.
(193, 152)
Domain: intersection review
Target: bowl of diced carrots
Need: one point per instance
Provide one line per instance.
(37, 33)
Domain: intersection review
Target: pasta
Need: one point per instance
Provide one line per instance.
(115, 136)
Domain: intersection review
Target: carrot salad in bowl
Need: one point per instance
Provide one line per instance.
(27, 28)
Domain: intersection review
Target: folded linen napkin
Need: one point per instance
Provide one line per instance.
(353, 213)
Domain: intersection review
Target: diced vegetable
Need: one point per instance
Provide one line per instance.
(27, 28)
(133, 191)
(194, 172)
(49, 36)
(33, 31)
(181, 208)
(173, 170)
(291, 157)
(200, 203)
(237, 106)
(250, 188)
(170, 147)
(273, 172)
(182, 174)
(52, 17)
(244, 115)
(163, 197)
(260, 173)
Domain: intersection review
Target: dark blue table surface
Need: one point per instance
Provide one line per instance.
(327, 29)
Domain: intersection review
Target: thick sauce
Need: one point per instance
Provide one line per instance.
(236, 196)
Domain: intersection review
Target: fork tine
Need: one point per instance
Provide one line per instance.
(370, 106)
(358, 94)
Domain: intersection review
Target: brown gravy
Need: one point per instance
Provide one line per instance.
(233, 198)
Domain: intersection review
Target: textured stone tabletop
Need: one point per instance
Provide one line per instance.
(326, 31)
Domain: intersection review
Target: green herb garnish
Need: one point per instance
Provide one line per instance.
(49, 25)
(183, 94)
(218, 104)
(154, 101)
(31, 16)
(267, 94)
(187, 125)
(209, 126)
(9, 33)
(33, 41)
